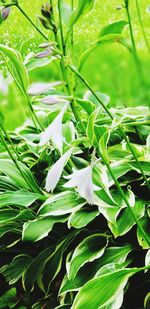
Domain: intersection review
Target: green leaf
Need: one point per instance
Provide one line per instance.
(90, 126)
(82, 217)
(20, 73)
(61, 204)
(14, 271)
(125, 221)
(89, 249)
(145, 166)
(103, 289)
(35, 268)
(103, 145)
(84, 6)
(145, 223)
(66, 12)
(9, 299)
(54, 263)
(9, 168)
(111, 255)
(38, 229)
(116, 27)
(20, 198)
(7, 215)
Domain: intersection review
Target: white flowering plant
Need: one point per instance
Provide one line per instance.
(74, 181)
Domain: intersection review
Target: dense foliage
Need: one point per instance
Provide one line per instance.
(74, 179)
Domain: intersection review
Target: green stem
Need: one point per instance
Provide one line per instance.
(64, 70)
(13, 159)
(31, 22)
(10, 141)
(23, 91)
(126, 201)
(72, 33)
(111, 116)
(61, 28)
(135, 54)
(141, 24)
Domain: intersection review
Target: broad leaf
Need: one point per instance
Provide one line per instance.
(89, 249)
(38, 229)
(103, 290)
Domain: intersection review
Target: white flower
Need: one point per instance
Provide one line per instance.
(55, 172)
(40, 88)
(54, 131)
(82, 180)
(53, 99)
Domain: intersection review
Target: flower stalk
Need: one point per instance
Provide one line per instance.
(142, 27)
(111, 116)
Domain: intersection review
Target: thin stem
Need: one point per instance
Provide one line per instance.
(135, 54)
(23, 91)
(111, 116)
(64, 70)
(126, 201)
(92, 91)
(141, 24)
(72, 32)
(61, 28)
(14, 159)
(10, 141)
(30, 20)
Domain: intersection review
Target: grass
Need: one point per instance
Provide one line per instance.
(112, 69)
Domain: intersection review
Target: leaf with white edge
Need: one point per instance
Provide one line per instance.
(38, 229)
(90, 126)
(103, 289)
(147, 258)
(8, 214)
(145, 166)
(102, 96)
(14, 271)
(54, 264)
(103, 145)
(145, 223)
(125, 220)
(9, 168)
(20, 73)
(111, 255)
(82, 217)
(36, 268)
(116, 27)
(88, 250)
(55, 171)
(61, 204)
(20, 198)
(84, 6)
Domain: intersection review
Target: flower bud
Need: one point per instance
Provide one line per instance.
(47, 52)
(46, 10)
(5, 13)
(45, 23)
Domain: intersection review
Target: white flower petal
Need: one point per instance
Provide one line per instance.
(82, 181)
(53, 99)
(54, 131)
(45, 136)
(40, 88)
(55, 172)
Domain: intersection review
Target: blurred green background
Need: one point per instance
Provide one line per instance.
(110, 68)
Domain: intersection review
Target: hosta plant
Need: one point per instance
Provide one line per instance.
(74, 180)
